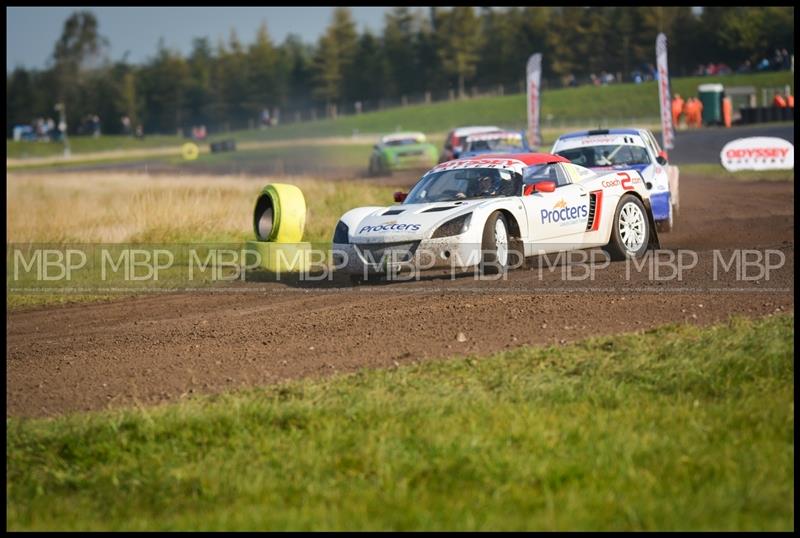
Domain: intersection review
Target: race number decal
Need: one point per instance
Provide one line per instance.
(625, 181)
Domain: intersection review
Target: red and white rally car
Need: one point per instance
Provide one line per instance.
(493, 210)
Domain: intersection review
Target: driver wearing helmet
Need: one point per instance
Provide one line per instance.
(485, 186)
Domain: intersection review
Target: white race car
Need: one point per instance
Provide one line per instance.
(605, 150)
(493, 210)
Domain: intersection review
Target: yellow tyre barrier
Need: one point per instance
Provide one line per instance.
(190, 151)
(281, 257)
(280, 214)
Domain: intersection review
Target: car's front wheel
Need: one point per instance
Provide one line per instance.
(496, 245)
(630, 233)
(374, 166)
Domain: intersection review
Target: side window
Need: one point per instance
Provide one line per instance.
(547, 172)
(575, 173)
(651, 144)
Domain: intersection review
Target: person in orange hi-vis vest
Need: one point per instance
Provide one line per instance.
(727, 111)
(779, 101)
(790, 100)
(688, 107)
(691, 112)
(698, 111)
(677, 109)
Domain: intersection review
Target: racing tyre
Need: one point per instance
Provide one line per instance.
(496, 245)
(374, 168)
(630, 233)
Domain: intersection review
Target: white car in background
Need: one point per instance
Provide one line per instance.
(621, 149)
(492, 211)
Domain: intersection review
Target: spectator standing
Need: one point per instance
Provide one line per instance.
(779, 101)
(698, 117)
(677, 109)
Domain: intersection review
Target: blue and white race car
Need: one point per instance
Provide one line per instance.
(607, 150)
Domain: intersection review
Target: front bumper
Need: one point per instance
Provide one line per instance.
(411, 161)
(383, 258)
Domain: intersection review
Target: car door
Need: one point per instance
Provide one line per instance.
(559, 216)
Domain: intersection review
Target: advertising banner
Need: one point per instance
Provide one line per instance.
(758, 153)
(667, 132)
(534, 78)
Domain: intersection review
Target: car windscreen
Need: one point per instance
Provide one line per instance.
(495, 145)
(465, 184)
(402, 142)
(607, 155)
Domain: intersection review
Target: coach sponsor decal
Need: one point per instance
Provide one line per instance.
(564, 214)
(623, 179)
(758, 153)
(390, 227)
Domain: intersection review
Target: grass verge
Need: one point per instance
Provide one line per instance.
(123, 208)
(716, 171)
(676, 428)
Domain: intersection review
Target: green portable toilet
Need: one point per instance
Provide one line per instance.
(711, 97)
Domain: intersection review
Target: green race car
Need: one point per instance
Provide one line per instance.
(401, 151)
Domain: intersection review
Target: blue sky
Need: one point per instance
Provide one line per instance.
(31, 32)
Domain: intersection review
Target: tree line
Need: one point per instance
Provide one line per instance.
(227, 84)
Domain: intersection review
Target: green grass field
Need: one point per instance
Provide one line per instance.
(673, 429)
(717, 171)
(87, 144)
(562, 109)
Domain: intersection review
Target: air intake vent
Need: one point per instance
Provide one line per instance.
(434, 209)
(595, 199)
(394, 212)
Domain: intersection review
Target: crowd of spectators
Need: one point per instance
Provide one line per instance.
(781, 60)
(39, 130)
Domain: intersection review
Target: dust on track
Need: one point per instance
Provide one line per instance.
(154, 349)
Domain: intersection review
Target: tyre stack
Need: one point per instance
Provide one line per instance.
(279, 219)
(223, 145)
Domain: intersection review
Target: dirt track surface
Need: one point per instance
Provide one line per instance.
(167, 347)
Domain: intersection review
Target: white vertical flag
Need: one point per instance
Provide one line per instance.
(667, 132)
(534, 72)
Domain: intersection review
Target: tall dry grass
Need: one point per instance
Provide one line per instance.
(125, 207)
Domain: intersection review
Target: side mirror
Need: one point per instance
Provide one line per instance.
(544, 186)
(400, 196)
(662, 158)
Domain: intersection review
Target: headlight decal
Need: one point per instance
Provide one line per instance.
(341, 235)
(456, 226)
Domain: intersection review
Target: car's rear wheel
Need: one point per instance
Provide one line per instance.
(630, 232)
(496, 245)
